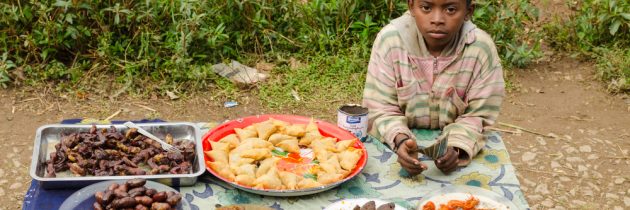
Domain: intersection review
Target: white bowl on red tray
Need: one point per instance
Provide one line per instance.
(326, 129)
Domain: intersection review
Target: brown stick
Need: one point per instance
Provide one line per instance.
(46, 110)
(145, 107)
(113, 115)
(555, 173)
(502, 130)
(621, 150)
(523, 129)
(29, 99)
(41, 101)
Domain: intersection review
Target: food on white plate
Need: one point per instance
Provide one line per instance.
(278, 155)
(371, 205)
(468, 204)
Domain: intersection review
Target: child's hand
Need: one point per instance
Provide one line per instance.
(408, 158)
(448, 162)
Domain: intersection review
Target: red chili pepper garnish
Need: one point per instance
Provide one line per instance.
(429, 206)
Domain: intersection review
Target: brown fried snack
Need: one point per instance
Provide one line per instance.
(387, 206)
(370, 205)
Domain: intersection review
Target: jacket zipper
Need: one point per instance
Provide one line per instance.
(435, 65)
(434, 116)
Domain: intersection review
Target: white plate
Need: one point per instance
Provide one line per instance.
(84, 198)
(487, 198)
(349, 204)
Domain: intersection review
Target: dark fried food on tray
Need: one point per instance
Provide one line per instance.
(110, 153)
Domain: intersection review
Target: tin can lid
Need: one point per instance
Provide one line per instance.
(353, 109)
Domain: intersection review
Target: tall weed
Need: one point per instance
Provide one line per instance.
(510, 23)
(614, 68)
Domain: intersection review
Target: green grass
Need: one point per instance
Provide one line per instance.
(325, 79)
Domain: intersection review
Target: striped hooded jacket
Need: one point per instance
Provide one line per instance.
(459, 92)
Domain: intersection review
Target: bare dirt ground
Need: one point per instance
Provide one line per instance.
(582, 160)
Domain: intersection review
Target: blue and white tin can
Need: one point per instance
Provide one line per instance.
(353, 118)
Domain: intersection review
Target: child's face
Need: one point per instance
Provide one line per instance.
(439, 21)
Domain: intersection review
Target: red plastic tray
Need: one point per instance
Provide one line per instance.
(325, 128)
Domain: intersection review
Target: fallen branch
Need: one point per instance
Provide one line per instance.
(557, 174)
(523, 129)
(41, 101)
(29, 99)
(579, 119)
(113, 115)
(621, 150)
(333, 101)
(543, 172)
(502, 130)
(145, 107)
(46, 110)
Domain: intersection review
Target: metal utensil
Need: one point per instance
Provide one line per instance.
(165, 146)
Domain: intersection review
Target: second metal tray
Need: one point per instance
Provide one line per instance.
(49, 135)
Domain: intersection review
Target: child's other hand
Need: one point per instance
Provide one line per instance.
(448, 162)
(408, 158)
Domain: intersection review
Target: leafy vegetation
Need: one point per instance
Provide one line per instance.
(600, 30)
(160, 45)
(510, 23)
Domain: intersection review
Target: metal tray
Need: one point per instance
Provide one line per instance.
(49, 135)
